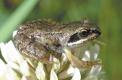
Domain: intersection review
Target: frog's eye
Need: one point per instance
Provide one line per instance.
(83, 33)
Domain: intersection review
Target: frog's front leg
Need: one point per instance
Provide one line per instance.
(76, 62)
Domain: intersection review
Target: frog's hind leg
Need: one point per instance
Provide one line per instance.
(41, 53)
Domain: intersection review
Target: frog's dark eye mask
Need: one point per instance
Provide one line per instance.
(82, 36)
(79, 35)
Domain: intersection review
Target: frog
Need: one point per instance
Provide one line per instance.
(42, 39)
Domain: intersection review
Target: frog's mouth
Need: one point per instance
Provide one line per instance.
(77, 42)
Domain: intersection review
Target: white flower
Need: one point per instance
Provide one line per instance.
(17, 67)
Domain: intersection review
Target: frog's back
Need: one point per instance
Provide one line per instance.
(39, 26)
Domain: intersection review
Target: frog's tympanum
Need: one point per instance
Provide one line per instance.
(41, 39)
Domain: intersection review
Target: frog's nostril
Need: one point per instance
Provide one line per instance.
(96, 30)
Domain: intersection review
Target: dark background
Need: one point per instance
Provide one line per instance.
(106, 13)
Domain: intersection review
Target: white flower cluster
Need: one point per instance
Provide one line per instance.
(15, 67)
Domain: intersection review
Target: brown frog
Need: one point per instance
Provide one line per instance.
(41, 39)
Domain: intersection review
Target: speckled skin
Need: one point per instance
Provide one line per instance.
(41, 38)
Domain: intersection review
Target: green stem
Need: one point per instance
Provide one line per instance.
(16, 18)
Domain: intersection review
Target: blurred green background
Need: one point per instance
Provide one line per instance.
(106, 13)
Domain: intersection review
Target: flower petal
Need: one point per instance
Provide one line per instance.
(10, 53)
(53, 75)
(40, 73)
(77, 75)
